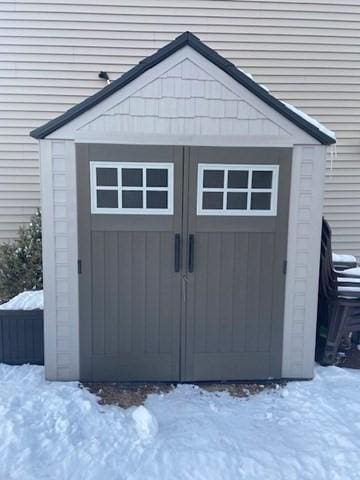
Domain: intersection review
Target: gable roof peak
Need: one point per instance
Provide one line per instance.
(301, 120)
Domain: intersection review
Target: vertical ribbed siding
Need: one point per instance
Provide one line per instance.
(51, 53)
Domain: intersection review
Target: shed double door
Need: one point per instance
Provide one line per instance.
(181, 262)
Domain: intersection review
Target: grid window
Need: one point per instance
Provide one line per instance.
(237, 189)
(132, 188)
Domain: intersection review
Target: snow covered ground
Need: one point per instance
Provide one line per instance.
(308, 430)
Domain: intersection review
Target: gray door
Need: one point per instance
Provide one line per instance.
(235, 287)
(130, 293)
(193, 291)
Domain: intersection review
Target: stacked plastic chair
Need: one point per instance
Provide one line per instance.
(339, 302)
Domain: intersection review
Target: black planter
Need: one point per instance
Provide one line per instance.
(22, 337)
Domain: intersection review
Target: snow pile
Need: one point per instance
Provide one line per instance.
(337, 257)
(146, 424)
(31, 300)
(57, 430)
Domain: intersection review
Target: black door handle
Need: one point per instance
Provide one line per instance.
(177, 252)
(191, 252)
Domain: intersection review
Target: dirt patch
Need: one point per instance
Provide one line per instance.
(125, 395)
(128, 395)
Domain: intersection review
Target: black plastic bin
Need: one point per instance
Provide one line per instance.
(22, 337)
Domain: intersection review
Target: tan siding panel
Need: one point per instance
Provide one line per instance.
(307, 52)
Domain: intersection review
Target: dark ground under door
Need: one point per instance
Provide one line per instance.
(180, 296)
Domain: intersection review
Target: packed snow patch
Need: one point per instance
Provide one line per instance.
(30, 300)
(58, 431)
(337, 257)
(146, 424)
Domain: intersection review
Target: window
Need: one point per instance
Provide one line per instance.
(237, 189)
(132, 188)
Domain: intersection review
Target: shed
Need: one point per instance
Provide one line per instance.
(181, 226)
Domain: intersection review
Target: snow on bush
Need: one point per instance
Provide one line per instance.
(306, 431)
(25, 301)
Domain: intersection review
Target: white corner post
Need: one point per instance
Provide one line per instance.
(59, 215)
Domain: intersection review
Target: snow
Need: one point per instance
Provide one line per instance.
(311, 120)
(353, 271)
(296, 110)
(264, 87)
(337, 257)
(146, 424)
(30, 300)
(251, 77)
(57, 430)
(351, 288)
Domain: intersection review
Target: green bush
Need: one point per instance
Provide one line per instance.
(21, 261)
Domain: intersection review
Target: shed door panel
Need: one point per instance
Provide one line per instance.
(220, 318)
(130, 295)
(235, 294)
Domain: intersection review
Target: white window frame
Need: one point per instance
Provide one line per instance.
(239, 167)
(119, 188)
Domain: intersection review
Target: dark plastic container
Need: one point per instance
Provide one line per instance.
(22, 337)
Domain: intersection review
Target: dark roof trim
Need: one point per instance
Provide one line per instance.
(181, 41)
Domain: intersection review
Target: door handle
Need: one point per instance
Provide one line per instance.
(177, 252)
(191, 252)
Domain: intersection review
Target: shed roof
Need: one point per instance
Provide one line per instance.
(300, 119)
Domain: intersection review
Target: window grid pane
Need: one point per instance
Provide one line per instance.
(260, 201)
(132, 199)
(236, 201)
(157, 177)
(106, 177)
(257, 194)
(213, 178)
(156, 199)
(107, 198)
(158, 195)
(238, 179)
(262, 179)
(213, 200)
(132, 177)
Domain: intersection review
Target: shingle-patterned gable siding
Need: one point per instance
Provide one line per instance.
(186, 100)
(51, 52)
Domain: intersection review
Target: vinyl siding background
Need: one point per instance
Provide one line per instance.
(306, 52)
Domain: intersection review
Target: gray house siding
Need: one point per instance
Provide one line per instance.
(51, 53)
